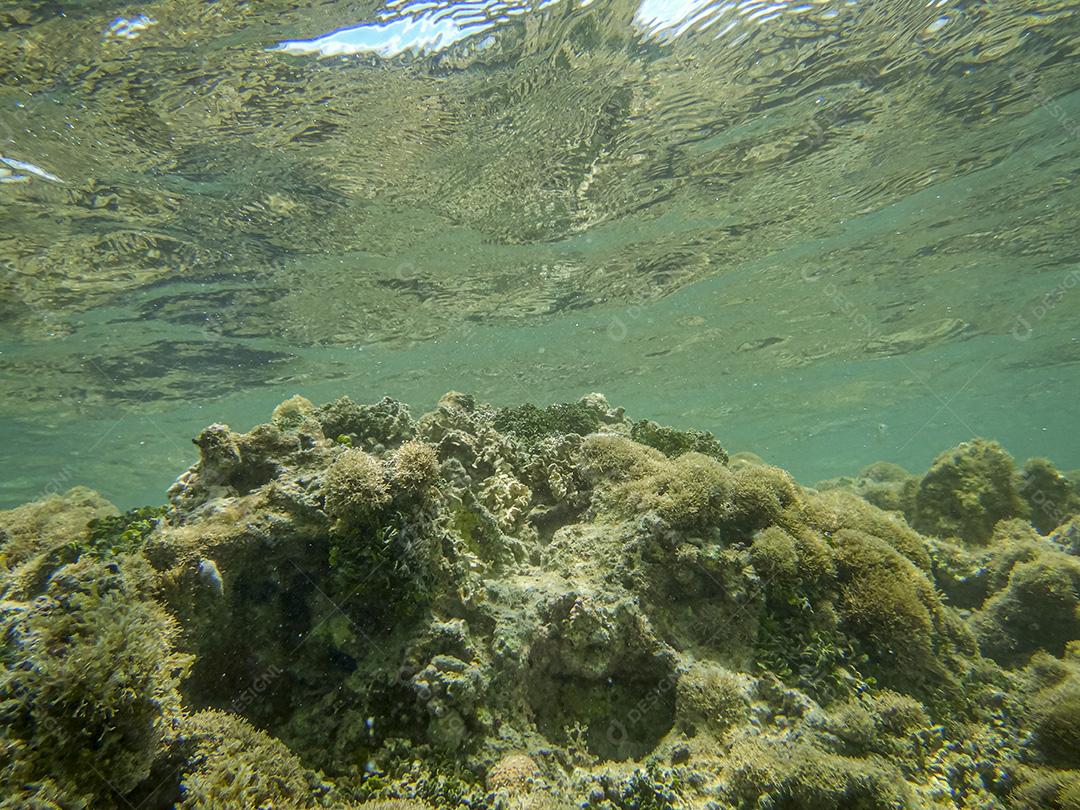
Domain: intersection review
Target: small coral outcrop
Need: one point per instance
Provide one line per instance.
(355, 486)
(967, 491)
(1052, 497)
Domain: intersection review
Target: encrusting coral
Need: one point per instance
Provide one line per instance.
(541, 608)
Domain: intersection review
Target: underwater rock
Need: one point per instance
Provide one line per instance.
(88, 684)
(1051, 496)
(1037, 608)
(887, 486)
(384, 424)
(530, 608)
(967, 491)
(229, 763)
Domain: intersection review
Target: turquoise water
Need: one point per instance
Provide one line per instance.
(830, 233)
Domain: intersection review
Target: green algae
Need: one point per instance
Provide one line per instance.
(121, 533)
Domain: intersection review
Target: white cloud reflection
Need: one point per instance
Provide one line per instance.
(417, 28)
(421, 28)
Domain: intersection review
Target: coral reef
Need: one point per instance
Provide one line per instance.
(541, 608)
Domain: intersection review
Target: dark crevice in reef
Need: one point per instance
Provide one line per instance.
(542, 608)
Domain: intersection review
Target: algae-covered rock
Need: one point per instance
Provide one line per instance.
(1038, 608)
(292, 413)
(386, 423)
(538, 607)
(48, 524)
(88, 682)
(710, 697)
(1051, 496)
(887, 486)
(1047, 789)
(1057, 724)
(228, 763)
(672, 442)
(967, 491)
(804, 775)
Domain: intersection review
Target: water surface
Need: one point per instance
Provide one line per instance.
(830, 232)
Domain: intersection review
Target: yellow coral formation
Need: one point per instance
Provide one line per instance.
(355, 485)
(233, 764)
(415, 466)
(710, 697)
(514, 773)
(293, 412)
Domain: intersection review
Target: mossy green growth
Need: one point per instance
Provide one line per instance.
(1039, 608)
(232, 764)
(1051, 496)
(1046, 789)
(385, 423)
(809, 653)
(529, 424)
(379, 564)
(832, 511)
(355, 487)
(117, 534)
(880, 721)
(433, 784)
(758, 497)
(479, 531)
(49, 524)
(1056, 714)
(88, 681)
(798, 775)
(708, 696)
(688, 492)
(673, 442)
(798, 637)
(415, 468)
(292, 413)
(967, 491)
(891, 608)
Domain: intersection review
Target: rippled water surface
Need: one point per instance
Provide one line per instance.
(831, 232)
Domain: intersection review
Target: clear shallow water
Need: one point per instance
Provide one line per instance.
(831, 233)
